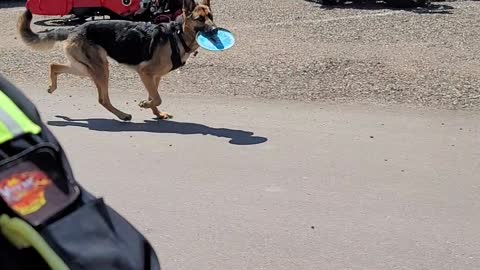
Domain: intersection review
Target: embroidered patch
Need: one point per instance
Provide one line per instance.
(24, 192)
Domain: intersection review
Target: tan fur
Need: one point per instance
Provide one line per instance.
(89, 60)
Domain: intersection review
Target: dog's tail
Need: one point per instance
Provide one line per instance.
(38, 41)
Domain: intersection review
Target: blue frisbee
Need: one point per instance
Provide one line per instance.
(219, 39)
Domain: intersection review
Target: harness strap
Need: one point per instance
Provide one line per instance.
(184, 44)
(176, 57)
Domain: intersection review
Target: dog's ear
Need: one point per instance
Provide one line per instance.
(188, 6)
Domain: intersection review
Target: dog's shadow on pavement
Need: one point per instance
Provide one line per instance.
(237, 137)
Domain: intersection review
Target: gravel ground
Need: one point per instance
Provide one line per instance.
(302, 51)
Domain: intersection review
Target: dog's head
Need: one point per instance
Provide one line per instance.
(198, 16)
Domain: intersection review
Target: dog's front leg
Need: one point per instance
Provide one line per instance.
(56, 69)
(151, 84)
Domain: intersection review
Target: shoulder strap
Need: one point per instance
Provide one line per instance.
(177, 33)
(175, 57)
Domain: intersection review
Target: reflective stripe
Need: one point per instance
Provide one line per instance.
(9, 123)
(13, 122)
(5, 134)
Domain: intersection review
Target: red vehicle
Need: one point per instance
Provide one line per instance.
(139, 10)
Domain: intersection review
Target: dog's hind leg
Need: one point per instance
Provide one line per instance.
(96, 63)
(100, 78)
(151, 84)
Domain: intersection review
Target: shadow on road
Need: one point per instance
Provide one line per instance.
(378, 5)
(237, 137)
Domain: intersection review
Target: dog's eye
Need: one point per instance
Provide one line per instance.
(201, 19)
(210, 16)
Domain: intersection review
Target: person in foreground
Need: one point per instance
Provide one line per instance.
(47, 219)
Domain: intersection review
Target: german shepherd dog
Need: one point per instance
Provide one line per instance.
(151, 50)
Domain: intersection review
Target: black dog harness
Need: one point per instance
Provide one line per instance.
(174, 31)
(176, 57)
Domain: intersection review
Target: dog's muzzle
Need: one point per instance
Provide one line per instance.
(208, 29)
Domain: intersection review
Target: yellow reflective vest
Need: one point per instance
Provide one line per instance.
(13, 122)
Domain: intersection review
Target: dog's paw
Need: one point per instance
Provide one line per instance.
(164, 116)
(51, 89)
(144, 104)
(126, 117)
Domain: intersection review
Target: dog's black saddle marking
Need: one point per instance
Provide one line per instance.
(134, 42)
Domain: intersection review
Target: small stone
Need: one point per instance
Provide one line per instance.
(371, 137)
(461, 128)
(443, 124)
(313, 227)
(169, 145)
(385, 159)
(403, 171)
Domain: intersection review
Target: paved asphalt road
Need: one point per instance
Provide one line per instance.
(236, 183)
